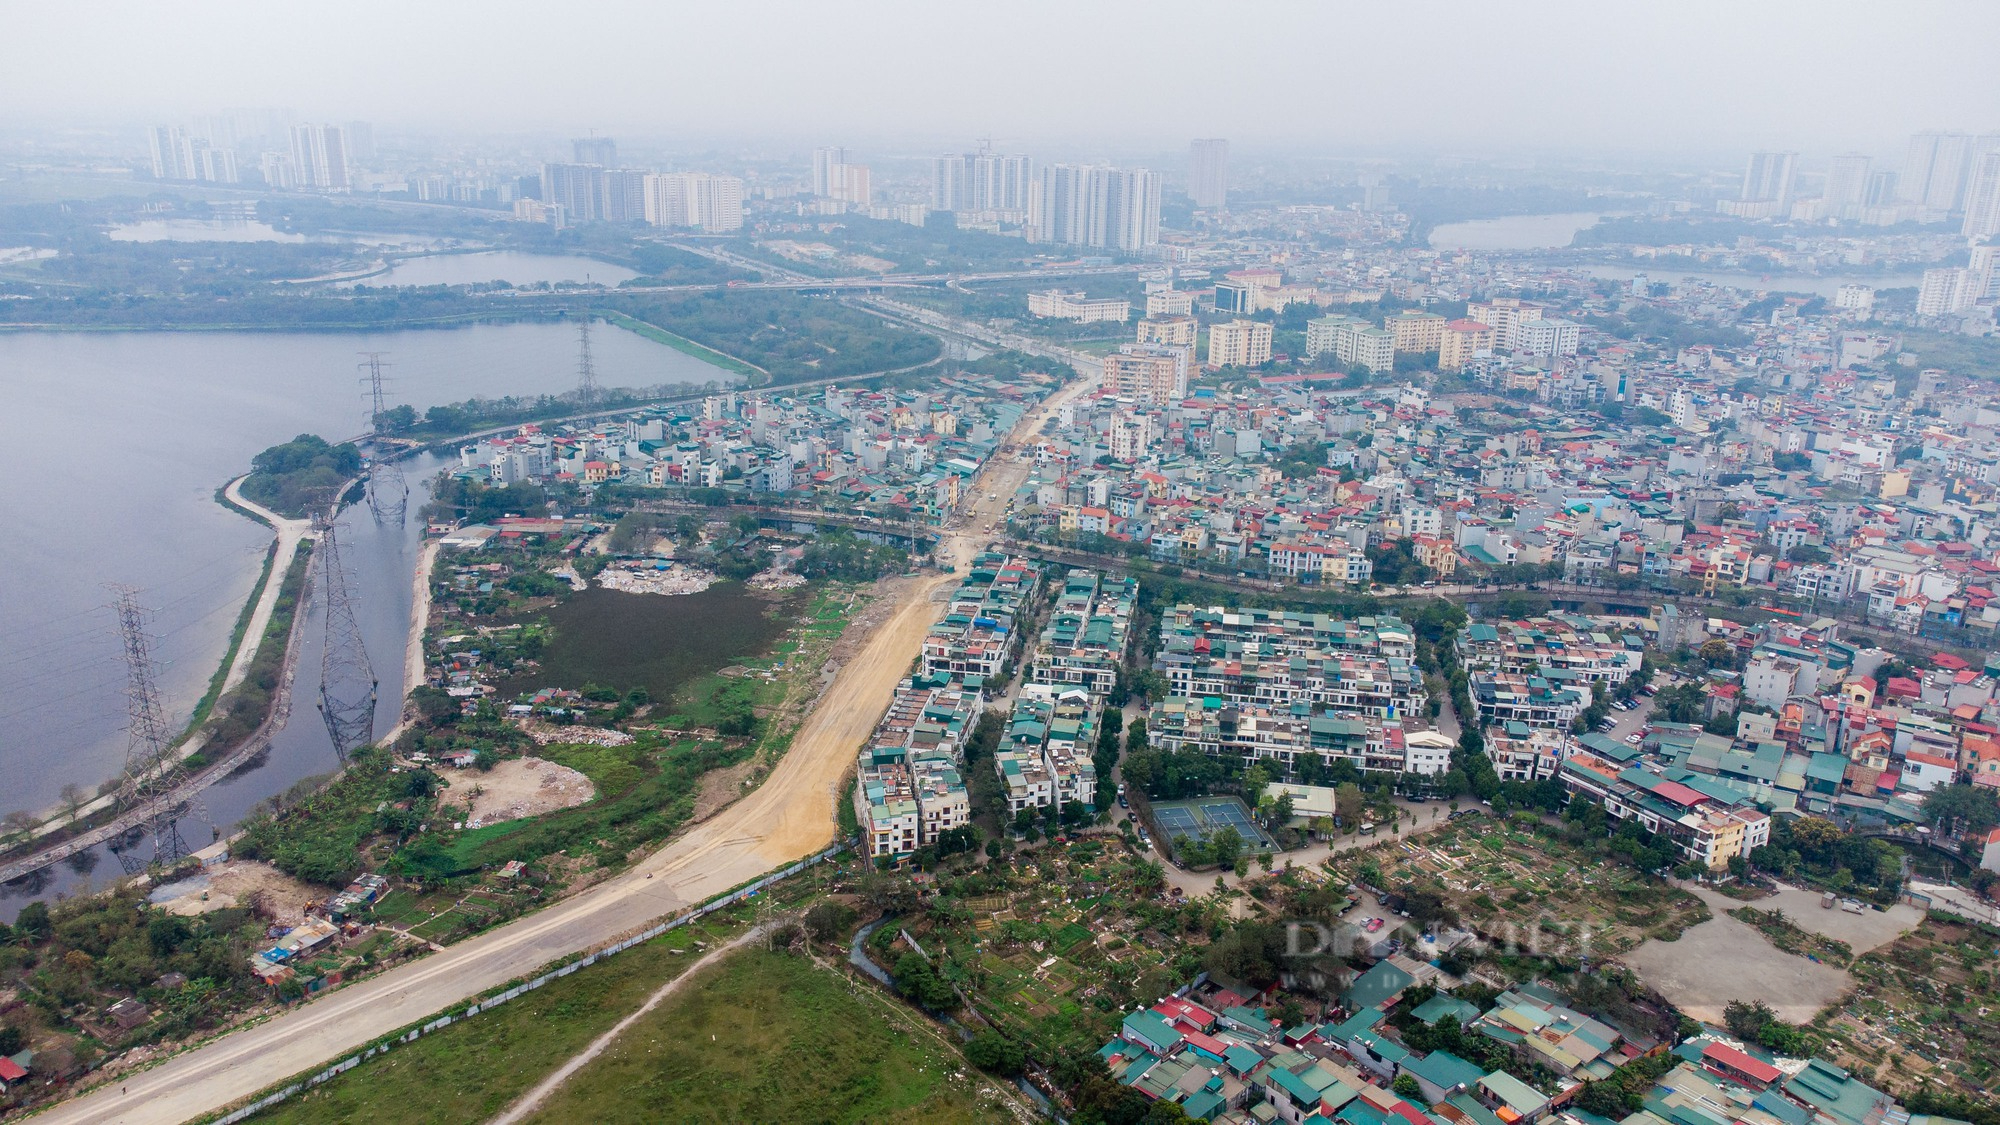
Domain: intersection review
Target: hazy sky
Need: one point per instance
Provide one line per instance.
(1709, 76)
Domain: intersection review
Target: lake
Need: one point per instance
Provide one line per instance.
(114, 445)
(249, 230)
(1514, 232)
(509, 266)
(1824, 285)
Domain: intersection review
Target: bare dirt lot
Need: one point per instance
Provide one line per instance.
(516, 788)
(1862, 932)
(1724, 959)
(237, 883)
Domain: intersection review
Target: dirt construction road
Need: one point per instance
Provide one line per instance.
(787, 818)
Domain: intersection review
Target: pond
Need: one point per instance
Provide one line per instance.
(658, 642)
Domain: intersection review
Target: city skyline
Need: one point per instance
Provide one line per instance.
(1699, 85)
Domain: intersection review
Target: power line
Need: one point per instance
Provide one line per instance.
(153, 775)
(587, 392)
(347, 685)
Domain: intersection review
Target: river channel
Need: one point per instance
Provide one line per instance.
(113, 447)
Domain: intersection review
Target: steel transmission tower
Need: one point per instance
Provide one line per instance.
(388, 492)
(586, 371)
(346, 682)
(154, 779)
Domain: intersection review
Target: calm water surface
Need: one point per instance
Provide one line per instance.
(1514, 232)
(654, 641)
(113, 446)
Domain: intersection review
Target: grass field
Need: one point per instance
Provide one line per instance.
(770, 1037)
(472, 1070)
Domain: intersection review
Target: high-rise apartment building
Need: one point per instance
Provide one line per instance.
(1208, 172)
(1846, 184)
(1109, 208)
(166, 144)
(1417, 331)
(1934, 170)
(1982, 198)
(694, 199)
(1152, 374)
(622, 195)
(1506, 315)
(577, 188)
(360, 143)
(1982, 274)
(836, 179)
(601, 151)
(1882, 189)
(1240, 343)
(179, 154)
(320, 158)
(1768, 177)
(981, 182)
(825, 159)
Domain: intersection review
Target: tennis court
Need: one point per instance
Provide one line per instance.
(1197, 817)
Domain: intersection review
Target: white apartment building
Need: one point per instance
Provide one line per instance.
(1506, 315)
(693, 199)
(1150, 373)
(1179, 330)
(1240, 343)
(1351, 341)
(1548, 337)
(1056, 304)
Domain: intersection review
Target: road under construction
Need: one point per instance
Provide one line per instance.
(790, 816)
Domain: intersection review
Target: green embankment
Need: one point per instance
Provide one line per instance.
(660, 335)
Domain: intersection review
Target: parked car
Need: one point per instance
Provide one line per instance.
(1635, 738)
(1374, 925)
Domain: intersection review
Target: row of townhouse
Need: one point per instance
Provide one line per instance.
(1295, 740)
(908, 787)
(1590, 650)
(980, 630)
(1534, 700)
(1088, 634)
(1707, 821)
(1044, 754)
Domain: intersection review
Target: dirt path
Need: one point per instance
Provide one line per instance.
(290, 533)
(533, 1099)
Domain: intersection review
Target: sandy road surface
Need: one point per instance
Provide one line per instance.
(290, 533)
(790, 816)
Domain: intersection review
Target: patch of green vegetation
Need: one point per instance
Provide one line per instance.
(790, 336)
(473, 1069)
(661, 785)
(768, 1037)
(300, 474)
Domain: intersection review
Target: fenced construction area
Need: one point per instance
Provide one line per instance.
(1198, 818)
